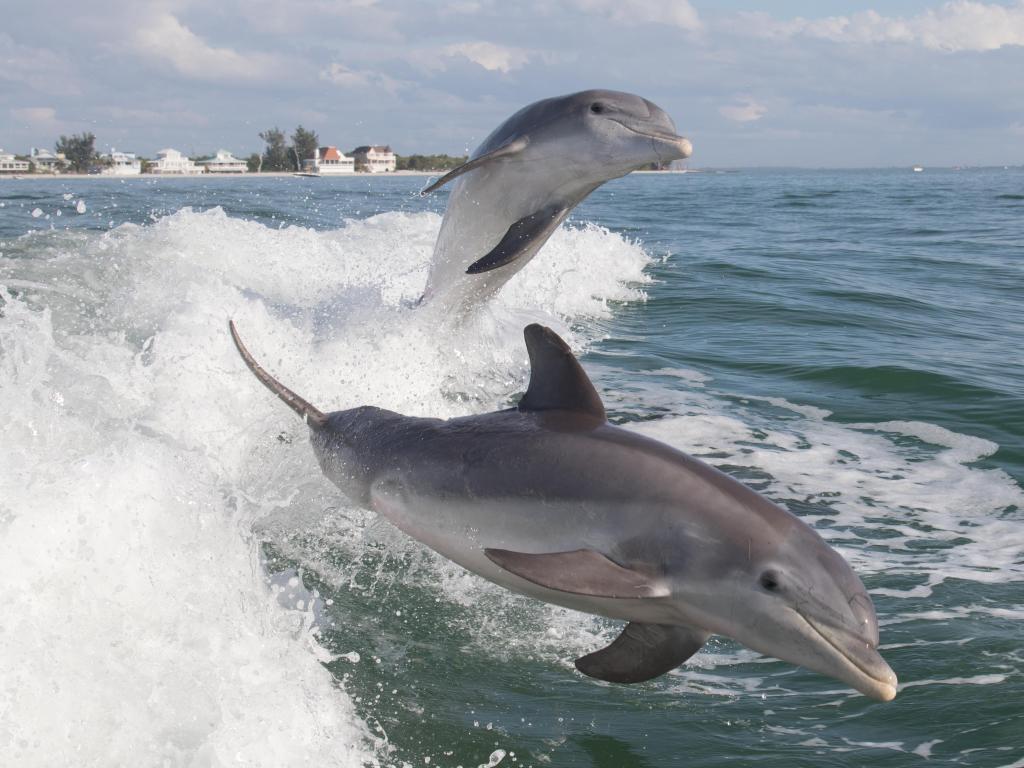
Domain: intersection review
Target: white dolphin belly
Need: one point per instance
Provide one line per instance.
(461, 532)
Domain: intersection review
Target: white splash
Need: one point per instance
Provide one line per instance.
(138, 454)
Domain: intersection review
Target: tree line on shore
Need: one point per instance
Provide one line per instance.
(81, 156)
(280, 156)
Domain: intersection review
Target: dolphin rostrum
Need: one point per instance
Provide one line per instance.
(550, 500)
(526, 177)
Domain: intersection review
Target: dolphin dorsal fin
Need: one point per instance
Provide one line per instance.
(557, 380)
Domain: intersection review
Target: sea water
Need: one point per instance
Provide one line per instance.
(183, 588)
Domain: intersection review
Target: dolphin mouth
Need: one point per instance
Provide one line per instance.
(870, 673)
(680, 143)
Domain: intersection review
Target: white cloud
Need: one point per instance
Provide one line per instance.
(676, 13)
(166, 39)
(360, 20)
(40, 69)
(494, 58)
(39, 122)
(462, 8)
(162, 116)
(44, 116)
(345, 77)
(339, 74)
(960, 25)
(746, 111)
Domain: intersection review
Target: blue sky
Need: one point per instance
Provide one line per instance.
(793, 82)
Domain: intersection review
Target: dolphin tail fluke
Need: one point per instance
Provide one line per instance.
(312, 416)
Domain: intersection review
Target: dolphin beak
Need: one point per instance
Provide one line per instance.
(859, 663)
(670, 145)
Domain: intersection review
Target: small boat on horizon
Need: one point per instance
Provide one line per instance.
(918, 169)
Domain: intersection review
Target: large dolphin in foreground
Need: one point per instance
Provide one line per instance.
(550, 500)
(526, 177)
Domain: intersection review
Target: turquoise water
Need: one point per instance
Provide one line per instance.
(187, 590)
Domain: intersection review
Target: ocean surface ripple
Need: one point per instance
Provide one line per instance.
(184, 588)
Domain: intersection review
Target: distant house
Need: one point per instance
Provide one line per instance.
(121, 164)
(375, 159)
(224, 162)
(45, 161)
(328, 161)
(172, 162)
(10, 164)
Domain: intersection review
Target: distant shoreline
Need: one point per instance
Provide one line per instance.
(265, 175)
(438, 174)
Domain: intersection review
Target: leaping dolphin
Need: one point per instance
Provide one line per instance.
(550, 500)
(526, 177)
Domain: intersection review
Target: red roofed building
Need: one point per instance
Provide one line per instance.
(329, 161)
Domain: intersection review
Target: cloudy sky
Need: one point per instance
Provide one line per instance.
(790, 82)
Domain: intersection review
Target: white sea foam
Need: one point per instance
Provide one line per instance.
(869, 480)
(138, 454)
(142, 463)
(138, 629)
(924, 749)
(975, 680)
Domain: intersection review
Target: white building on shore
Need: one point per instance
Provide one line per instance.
(172, 162)
(224, 162)
(329, 162)
(375, 159)
(45, 161)
(122, 164)
(10, 164)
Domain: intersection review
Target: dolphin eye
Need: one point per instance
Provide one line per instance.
(597, 108)
(770, 581)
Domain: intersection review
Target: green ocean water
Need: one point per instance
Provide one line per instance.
(847, 342)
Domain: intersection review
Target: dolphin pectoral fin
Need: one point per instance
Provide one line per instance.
(520, 238)
(507, 150)
(642, 652)
(581, 572)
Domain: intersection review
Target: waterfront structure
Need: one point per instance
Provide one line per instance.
(11, 164)
(328, 162)
(45, 161)
(172, 162)
(121, 164)
(224, 162)
(375, 159)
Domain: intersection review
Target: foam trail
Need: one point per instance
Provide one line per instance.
(897, 484)
(138, 455)
(142, 465)
(137, 629)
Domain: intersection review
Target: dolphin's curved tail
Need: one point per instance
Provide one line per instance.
(312, 416)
